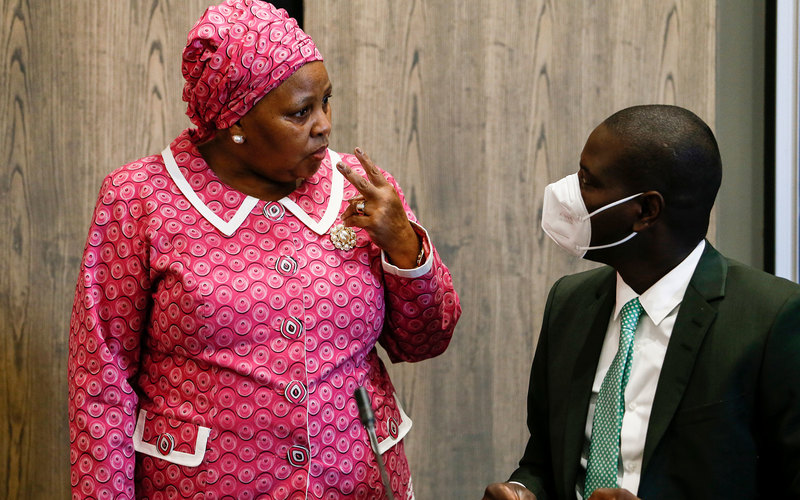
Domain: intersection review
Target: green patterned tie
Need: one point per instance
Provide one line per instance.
(601, 470)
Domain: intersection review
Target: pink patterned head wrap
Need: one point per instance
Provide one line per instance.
(236, 53)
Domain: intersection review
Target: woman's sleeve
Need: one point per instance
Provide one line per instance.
(422, 304)
(108, 319)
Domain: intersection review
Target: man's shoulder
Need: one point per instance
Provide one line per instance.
(742, 278)
(586, 282)
(743, 290)
(596, 275)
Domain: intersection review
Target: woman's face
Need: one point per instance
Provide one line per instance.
(286, 132)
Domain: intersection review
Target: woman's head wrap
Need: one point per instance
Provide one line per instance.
(236, 53)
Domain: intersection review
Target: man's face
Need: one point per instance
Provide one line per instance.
(602, 182)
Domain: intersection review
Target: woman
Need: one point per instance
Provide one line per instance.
(233, 289)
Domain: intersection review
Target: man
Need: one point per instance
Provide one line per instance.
(671, 372)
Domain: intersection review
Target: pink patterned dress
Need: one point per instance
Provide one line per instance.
(216, 340)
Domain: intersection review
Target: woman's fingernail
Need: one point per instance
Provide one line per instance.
(340, 166)
(358, 150)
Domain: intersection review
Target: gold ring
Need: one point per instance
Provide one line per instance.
(360, 207)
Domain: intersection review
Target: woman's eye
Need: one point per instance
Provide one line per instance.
(303, 112)
(326, 99)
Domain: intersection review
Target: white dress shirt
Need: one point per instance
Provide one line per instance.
(661, 303)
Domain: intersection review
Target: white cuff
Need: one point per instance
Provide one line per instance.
(414, 272)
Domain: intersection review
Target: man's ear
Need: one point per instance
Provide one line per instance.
(652, 207)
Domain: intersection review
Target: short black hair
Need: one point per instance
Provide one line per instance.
(671, 150)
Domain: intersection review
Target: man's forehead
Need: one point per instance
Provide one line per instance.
(602, 150)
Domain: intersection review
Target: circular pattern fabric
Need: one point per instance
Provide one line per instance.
(211, 366)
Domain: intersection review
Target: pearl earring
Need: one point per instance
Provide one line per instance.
(238, 139)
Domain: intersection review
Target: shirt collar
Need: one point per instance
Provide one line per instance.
(316, 202)
(667, 293)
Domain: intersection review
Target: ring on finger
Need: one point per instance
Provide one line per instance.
(360, 208)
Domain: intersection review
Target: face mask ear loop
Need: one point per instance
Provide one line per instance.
(600, 247)
(613, 204)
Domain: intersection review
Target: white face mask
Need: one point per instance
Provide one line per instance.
(565, 218)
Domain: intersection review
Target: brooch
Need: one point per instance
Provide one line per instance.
(343, 238)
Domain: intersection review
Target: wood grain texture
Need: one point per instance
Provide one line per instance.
(473, 105)
(86, 85)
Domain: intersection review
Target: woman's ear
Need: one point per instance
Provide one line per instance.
(235, 133)
(652, 206)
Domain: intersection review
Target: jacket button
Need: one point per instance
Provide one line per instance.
(165, 444)
(292, 328)
(298, 456)
(274, 211)
(286, 265)
(295, 392)
(391, 427)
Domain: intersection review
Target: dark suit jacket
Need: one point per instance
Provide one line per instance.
(726, 417)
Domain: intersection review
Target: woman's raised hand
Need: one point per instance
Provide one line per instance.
(378, 210)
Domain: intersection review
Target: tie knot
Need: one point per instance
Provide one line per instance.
(629, 315)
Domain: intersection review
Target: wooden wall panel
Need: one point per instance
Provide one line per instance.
(86, 86)
(473, 105)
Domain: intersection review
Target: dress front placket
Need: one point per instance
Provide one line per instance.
(289, 365)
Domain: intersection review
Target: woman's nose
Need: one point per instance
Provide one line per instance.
(322, 123)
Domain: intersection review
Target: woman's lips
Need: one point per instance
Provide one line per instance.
(320, 153)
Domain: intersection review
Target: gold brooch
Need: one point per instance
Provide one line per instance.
(343, 238)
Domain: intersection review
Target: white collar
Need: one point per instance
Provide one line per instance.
(229, 227)
(665, 294)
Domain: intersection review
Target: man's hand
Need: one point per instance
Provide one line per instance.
(507, 491)
(612, 494)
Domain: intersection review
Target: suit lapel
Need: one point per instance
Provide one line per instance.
(694, 319)
(580, 386)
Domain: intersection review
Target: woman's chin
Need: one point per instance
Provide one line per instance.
(310, 171)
